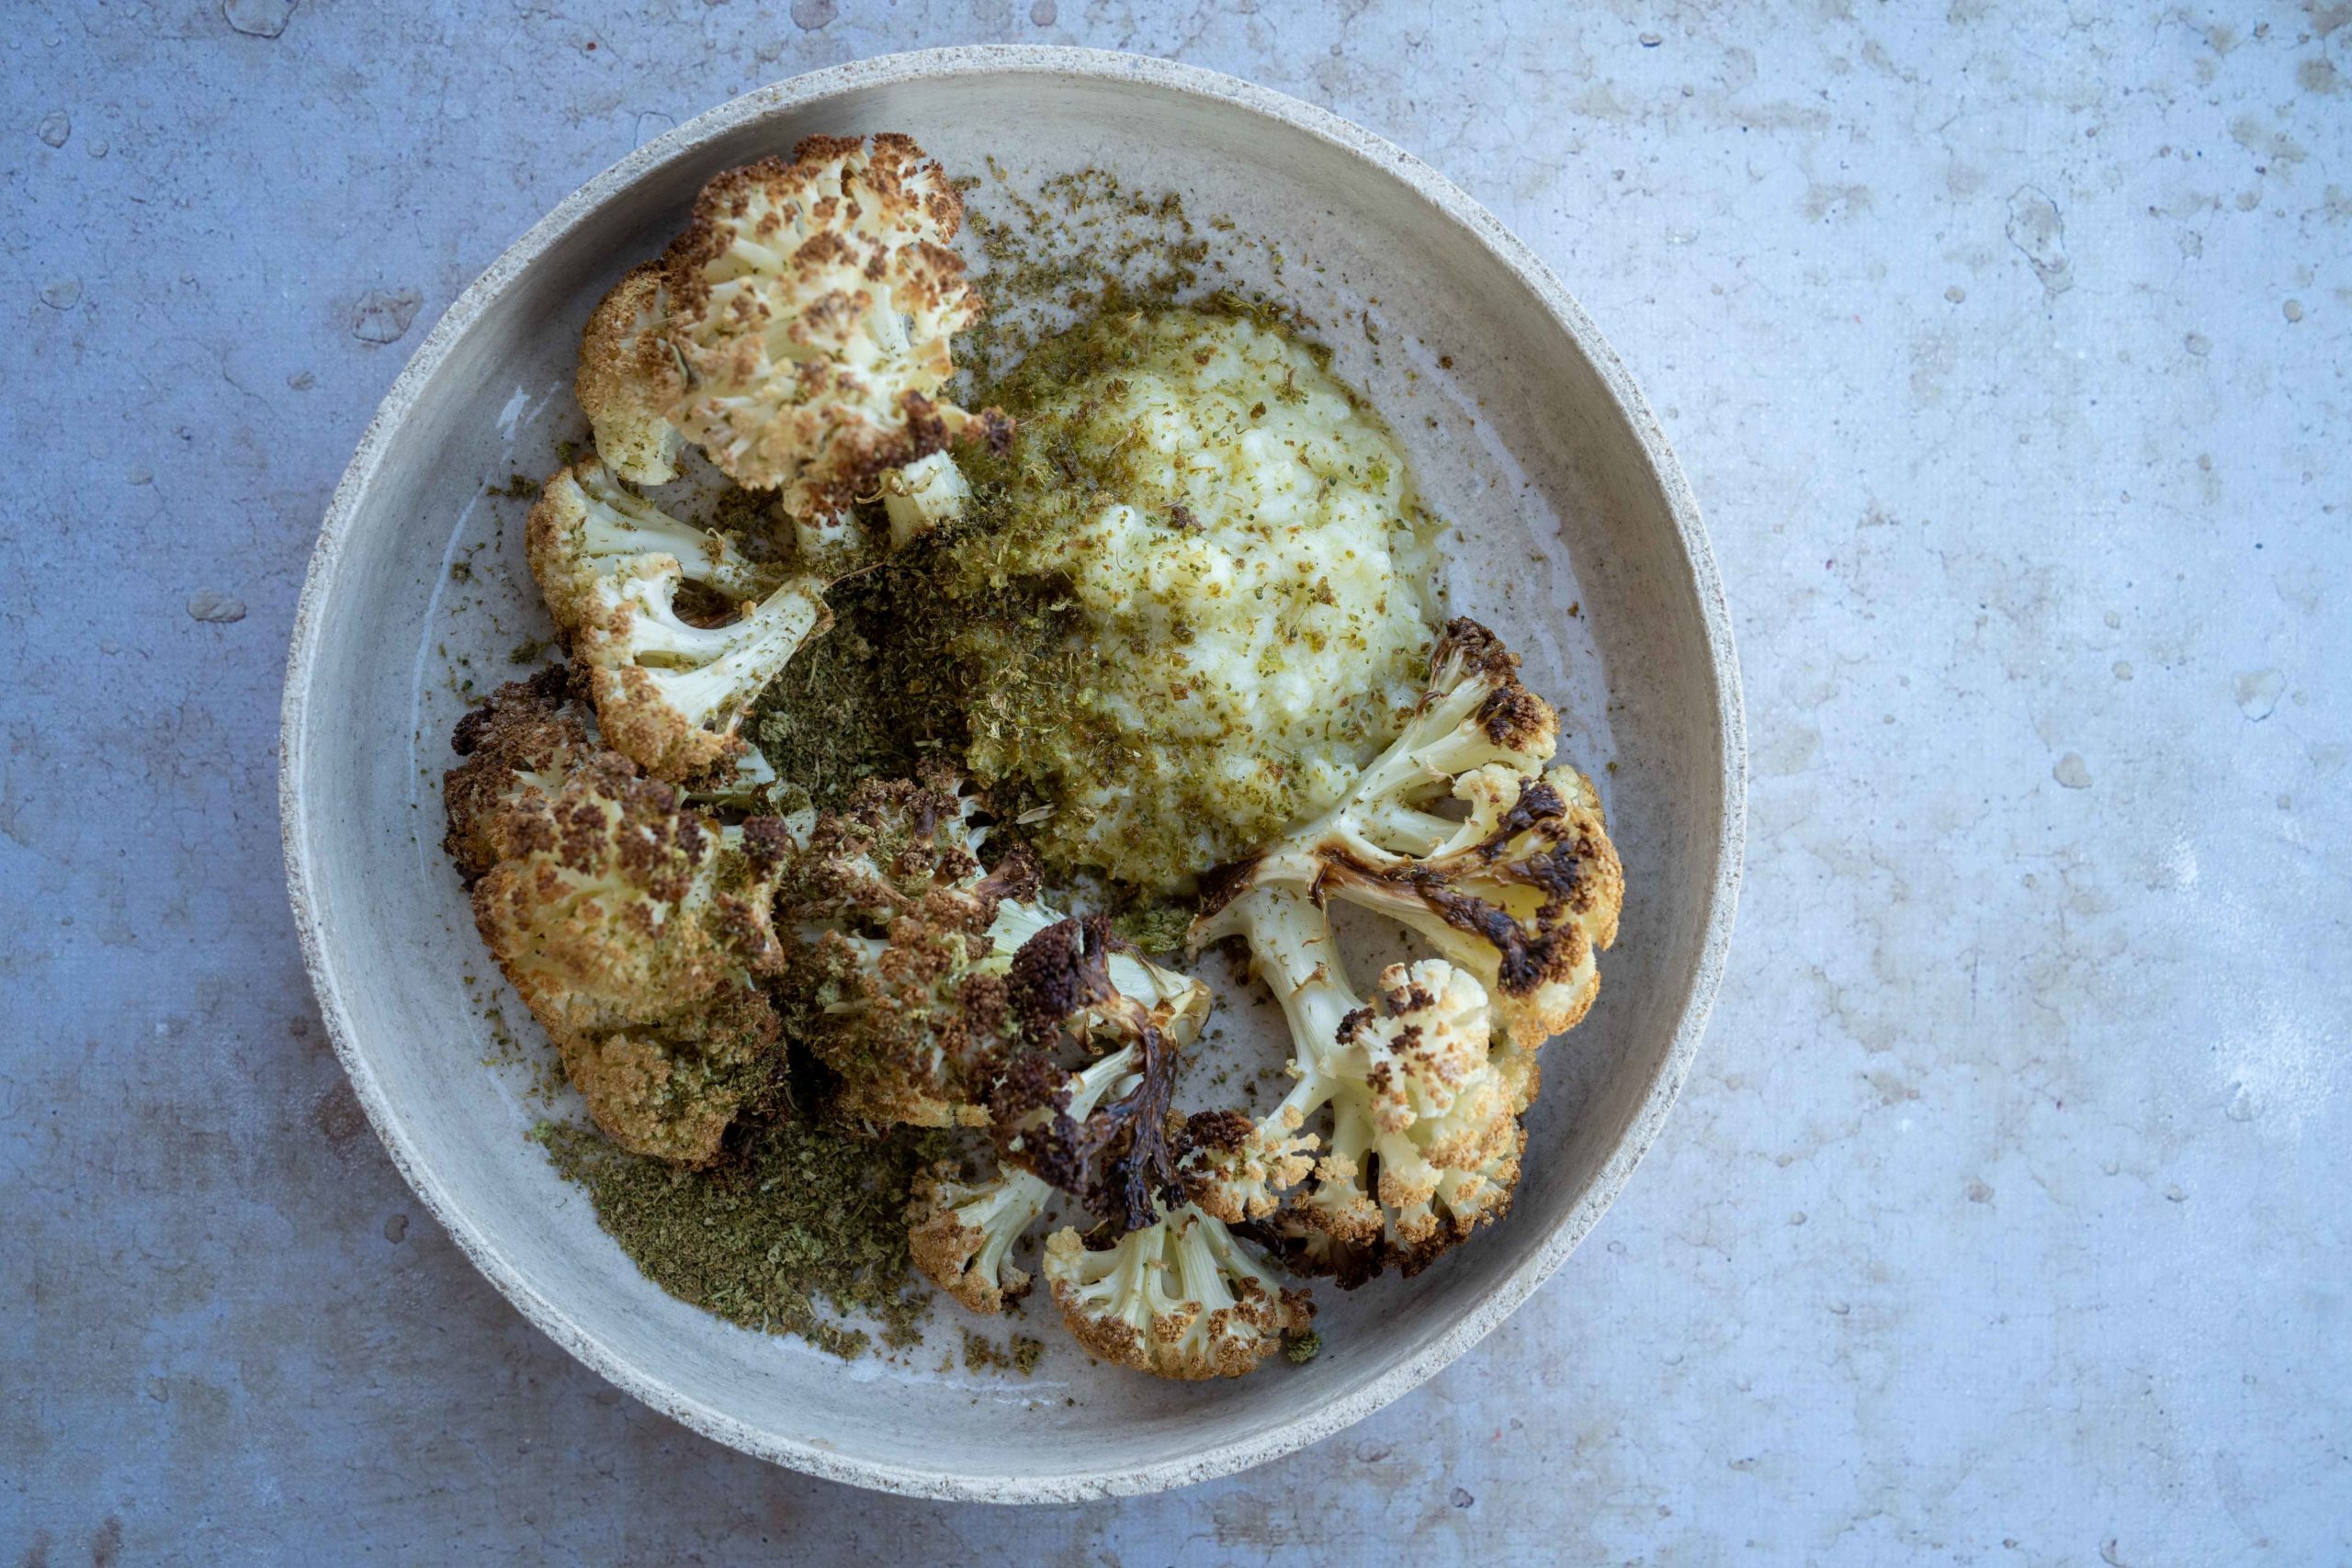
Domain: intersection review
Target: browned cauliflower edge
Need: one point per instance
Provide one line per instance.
(633, 925)
(1184, 1298)
(810, 305)
(678, 630)
(626, 377)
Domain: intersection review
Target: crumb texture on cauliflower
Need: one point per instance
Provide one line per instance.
(629, 376)
(519, 746)
(811, 303)
(633, 925)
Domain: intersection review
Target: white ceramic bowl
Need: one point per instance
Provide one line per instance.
(1529, 438)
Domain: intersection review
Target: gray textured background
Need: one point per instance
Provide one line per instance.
(2004, 1220)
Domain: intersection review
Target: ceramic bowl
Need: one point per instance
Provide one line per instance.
(1574, 534)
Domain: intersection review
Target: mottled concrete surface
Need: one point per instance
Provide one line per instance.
(2004, 1221)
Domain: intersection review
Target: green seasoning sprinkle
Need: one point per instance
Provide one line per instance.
(1154, 926)
(982, 1354)
(797, 1226)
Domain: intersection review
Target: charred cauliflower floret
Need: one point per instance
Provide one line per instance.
(1424, 1083)
(1521, 892)
(1181, 1298)
(924, 963)
(632, 926)
(627, 371)
(1421, 1103)
(810, 305)
(1524, 893)
(962, 1233)
(520, 744)
(1401, 1181)
(1119, 1152)
(1428, 1064)
(672, 684)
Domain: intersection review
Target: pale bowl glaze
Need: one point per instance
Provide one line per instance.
(1575, 536)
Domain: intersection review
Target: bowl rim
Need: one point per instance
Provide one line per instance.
(1434, 190)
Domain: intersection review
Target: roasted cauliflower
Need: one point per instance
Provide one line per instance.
(962, 1233)
(1181, 1297)
(1423, 1084)
(1521, 892)
(634, 927)
(810, 306)
(708, 951)
(671, 686)
(1176, 1295)
(520, 744)
(671, 1089)
(626, 377)
(930, 969)
(1421, 1101)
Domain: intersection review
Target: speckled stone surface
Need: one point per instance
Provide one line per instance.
(2003, 1219)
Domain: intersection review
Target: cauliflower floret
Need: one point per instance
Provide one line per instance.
(626, 377)
(961, 1233)
(1240, 1175)
(1425, 1044)
(1176, 1005)
(1521, 893)
(1125, 1155)
(928, 969)
(1425, 1139)
(1239, 1170)
(670, 692)
(520, 743)
(671, 1089)
(601, 905)
(811, 305)
(632, 926)
(1102, 1134)
(891, 911)
(1433, 1116)
(1181, 1298)
(1525, 896)
(613, 905)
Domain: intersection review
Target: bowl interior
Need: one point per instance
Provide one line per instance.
(1567, 540)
